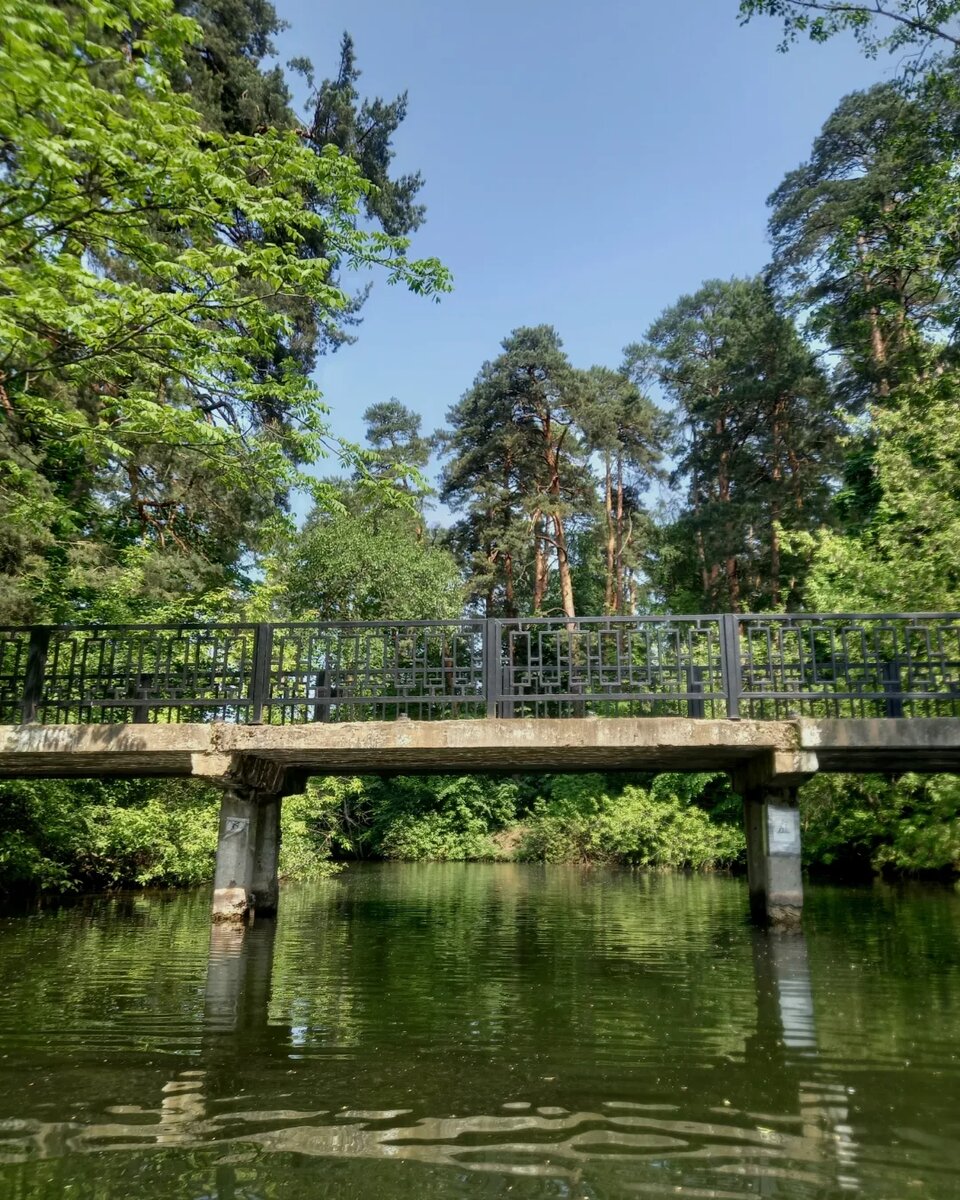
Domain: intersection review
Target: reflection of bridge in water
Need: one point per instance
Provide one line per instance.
(799, 1117)
(769, 1116)
(256, 708)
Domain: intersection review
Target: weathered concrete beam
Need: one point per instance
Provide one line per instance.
(568, 744)
(103, 751)
(884, 744)
(563, 744)
(264, 754)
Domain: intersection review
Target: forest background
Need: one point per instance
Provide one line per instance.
(180, 248)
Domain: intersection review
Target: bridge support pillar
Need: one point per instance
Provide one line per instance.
(771, 819)
(248, 851)
(772, 825)
(266, 886)
(236, 854)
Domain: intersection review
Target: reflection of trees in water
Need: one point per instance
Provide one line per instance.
(549, 1142)
(541, 1023)
(519, 949)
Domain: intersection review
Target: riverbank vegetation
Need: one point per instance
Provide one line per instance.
(180, 246)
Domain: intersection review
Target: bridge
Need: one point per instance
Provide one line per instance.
(256, 708)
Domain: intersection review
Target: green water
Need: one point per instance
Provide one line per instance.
(484, 1031)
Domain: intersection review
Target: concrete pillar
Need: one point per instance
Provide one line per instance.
(267, 856)
(233, 876)
(772, 824)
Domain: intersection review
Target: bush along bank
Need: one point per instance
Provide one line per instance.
(60, 837)
(662, 821)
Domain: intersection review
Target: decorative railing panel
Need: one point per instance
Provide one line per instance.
(611, 666)
(375, 671)
(854, 665)
(764, 667)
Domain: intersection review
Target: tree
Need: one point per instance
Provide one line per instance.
(844, 227)
(364, 132)
(519, 472)
(139, 334)
(367, 563)
(755, 451)
(223, 70)
(865, 237)
(629, 434)
(876, 24)
(402, 452)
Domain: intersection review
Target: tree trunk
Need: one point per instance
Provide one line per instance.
(878, 348)
(776, 475)
(510, 604)
(563, 567)
(609, 592)
(620, 589)
(540, 568)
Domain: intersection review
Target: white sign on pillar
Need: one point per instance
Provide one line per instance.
(783, 829)
(235, 825)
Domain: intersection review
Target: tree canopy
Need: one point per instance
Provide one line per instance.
(149, 269)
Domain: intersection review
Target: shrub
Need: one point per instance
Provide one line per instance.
(863, 824)
(63, 835)
(653, 827)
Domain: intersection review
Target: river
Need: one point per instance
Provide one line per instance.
(483, 1031)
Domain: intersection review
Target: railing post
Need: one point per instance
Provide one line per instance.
(695, 705)
(140, 694)
(260, 677)
(491, 666)
(893, 697)
(730, 663)
(323, 694)
(33, 675)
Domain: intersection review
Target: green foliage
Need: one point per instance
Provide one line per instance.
(405, 817)
(224, 72)
(584, 821)
(876, 24)
(60, 835)
(863, 824)
(307, 824)
(520, 479)
(755, 447)
(148, 269)
(366, 562)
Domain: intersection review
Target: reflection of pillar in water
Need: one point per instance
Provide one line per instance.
(239, 970)
(787, 1038)
(182, 1107)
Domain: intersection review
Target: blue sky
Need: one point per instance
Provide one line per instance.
(585, 165)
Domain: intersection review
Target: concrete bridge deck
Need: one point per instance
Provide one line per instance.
(770, 750)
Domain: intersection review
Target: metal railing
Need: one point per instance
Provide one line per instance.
(720, 666)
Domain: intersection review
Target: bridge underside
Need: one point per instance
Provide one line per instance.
(255, 765)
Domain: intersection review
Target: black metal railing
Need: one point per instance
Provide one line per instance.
(722, 666)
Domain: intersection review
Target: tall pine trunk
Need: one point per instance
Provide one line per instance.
(609, 591)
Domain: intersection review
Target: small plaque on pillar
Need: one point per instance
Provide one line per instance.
(236, 825)
(783, 829)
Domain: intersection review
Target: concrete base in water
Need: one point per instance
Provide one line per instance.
(772, 826)
(236, 849)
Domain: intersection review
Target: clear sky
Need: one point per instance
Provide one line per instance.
(585, 165)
